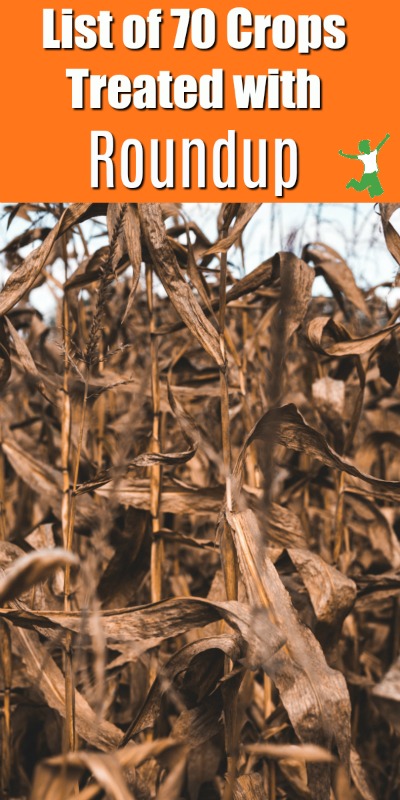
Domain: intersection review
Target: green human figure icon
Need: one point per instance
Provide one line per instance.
(370, 178)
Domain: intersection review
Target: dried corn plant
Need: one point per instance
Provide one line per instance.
(199, 487)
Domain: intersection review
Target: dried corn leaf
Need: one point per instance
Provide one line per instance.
(42, 478)
(179, 292)
(31, 569)
(190, 432)
(286, 426)
(391, 236)
(131, 232)
(23, 278)
(297, 752)
(314, 695)
(52, 784)
(145, 627)
(332, 594)
(296, 284)
(27, 361)
(387, 695)
(249, 787)
(104, 768)
(359, 776)
(48, 680)
(336, 272)
(175, 499)
(89, 269)
(263, 275)
(229, 645)
(347, 345)
(244, 213)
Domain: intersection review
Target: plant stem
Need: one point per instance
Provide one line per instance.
(157, 546)
(6, 661)
(69, 742)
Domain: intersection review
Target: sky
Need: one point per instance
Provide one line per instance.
(354, 230)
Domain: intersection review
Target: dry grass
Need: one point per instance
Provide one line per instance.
(199, 486)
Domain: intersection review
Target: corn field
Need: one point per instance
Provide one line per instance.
(199, 514)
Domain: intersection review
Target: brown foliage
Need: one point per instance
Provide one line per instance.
(199, 487)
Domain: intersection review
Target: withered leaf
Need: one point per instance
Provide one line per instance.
(347, 345)
(359, 776)
(179, 292)
(299, 752)
(104, 768)
(143, 628)
(42, 478)
(263, 275)
(375, 588)
(131, 232)
(296, 283)
(314, 695)
(60, 773)
(283, 527)
(375, 526)
(286, 426)
(228, 644)
(47, 678)
(243, 214)
(25, 238)
(336, 272)
(332, 594)
(45, 480)
(88, 270)
(190, 432)
(27, 361)
(176, 498)
(387, 695)
(31, 569)
(23, 278)
(249, 787)
(391, 236)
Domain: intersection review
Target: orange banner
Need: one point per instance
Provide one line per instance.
(221, 102)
